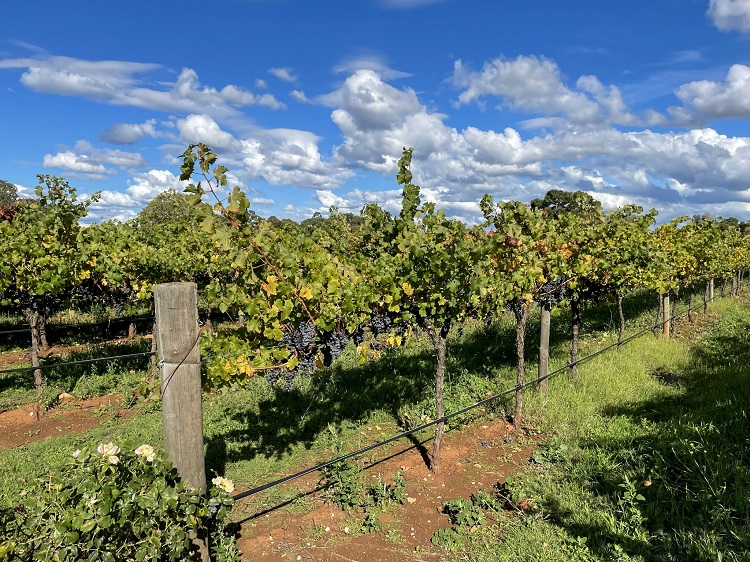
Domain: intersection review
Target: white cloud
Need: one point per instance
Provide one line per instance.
(88, 162)
(125, 133)
(285, 74)
(530, 83)
(288, 156)
(730, 15)
(76, 163)
(456, 167)
(116, 82)
(706, 99)
(142, 188)
(201, 128)
(300, 96)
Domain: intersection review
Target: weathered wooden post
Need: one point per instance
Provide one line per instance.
(176, 306)
(544, 331)
(667, 315)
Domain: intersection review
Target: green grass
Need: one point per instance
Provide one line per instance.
(650, 460)
(83, 380)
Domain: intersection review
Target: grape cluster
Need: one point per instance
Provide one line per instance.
(302, 338)
(552, 292)
(333, 346)
(302, 341)
(381, 323)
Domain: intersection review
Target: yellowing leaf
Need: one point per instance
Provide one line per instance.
(407, 288)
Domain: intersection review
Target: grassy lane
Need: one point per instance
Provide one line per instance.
(650, 459)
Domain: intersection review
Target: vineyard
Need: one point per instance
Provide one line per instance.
(308, 322)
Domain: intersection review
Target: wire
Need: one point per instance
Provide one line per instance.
(79, 362)
(80, 325)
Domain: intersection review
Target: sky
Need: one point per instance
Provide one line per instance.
(309, 103)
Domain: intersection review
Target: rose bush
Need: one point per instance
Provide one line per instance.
(112, 504)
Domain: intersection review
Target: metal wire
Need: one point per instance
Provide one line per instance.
(79, 362)
(80, 325)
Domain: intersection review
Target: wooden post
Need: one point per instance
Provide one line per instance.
(176, 306)
(666, 318)
(544, 330)
(711, 290)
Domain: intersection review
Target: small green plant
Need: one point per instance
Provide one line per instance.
(631, 519)
(450, 539)
(383, 493)
(554, 452)
(115, 504)
(464, 513)
(370, 524)
(342, 486)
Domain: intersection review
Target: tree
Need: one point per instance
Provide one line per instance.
(8, 193)
(580, 221)
(557, 202)
(626, 258)
(42, 261)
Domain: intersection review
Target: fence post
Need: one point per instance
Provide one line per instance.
(667, 315)
(544, 332)
(176, 306)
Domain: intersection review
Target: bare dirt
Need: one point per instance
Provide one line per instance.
(70, 415)
(475, 458)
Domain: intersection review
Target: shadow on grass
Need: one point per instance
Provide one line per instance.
(399, 383)
(687, 455)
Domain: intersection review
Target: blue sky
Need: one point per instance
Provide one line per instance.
(309, 103)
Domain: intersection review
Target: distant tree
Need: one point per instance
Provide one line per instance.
(319, 221)
(169, 207)
(8, 193)
(283, 224)
(556, 202)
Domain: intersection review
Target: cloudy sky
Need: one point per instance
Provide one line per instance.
(309, 103)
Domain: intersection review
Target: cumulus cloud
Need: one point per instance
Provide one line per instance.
(535, 84)
(289, 156)
(706, 99)
(730, 15)
(455, 167)
(285, 74)
(118, 83)
(201, 128)
(143, 187)
(277, 156)
(88, 162)
(300, 96)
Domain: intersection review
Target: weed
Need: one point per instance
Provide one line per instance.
(342, 485)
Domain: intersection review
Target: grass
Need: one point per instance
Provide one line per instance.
(83, 381)
(650, 459)
(624, 421)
